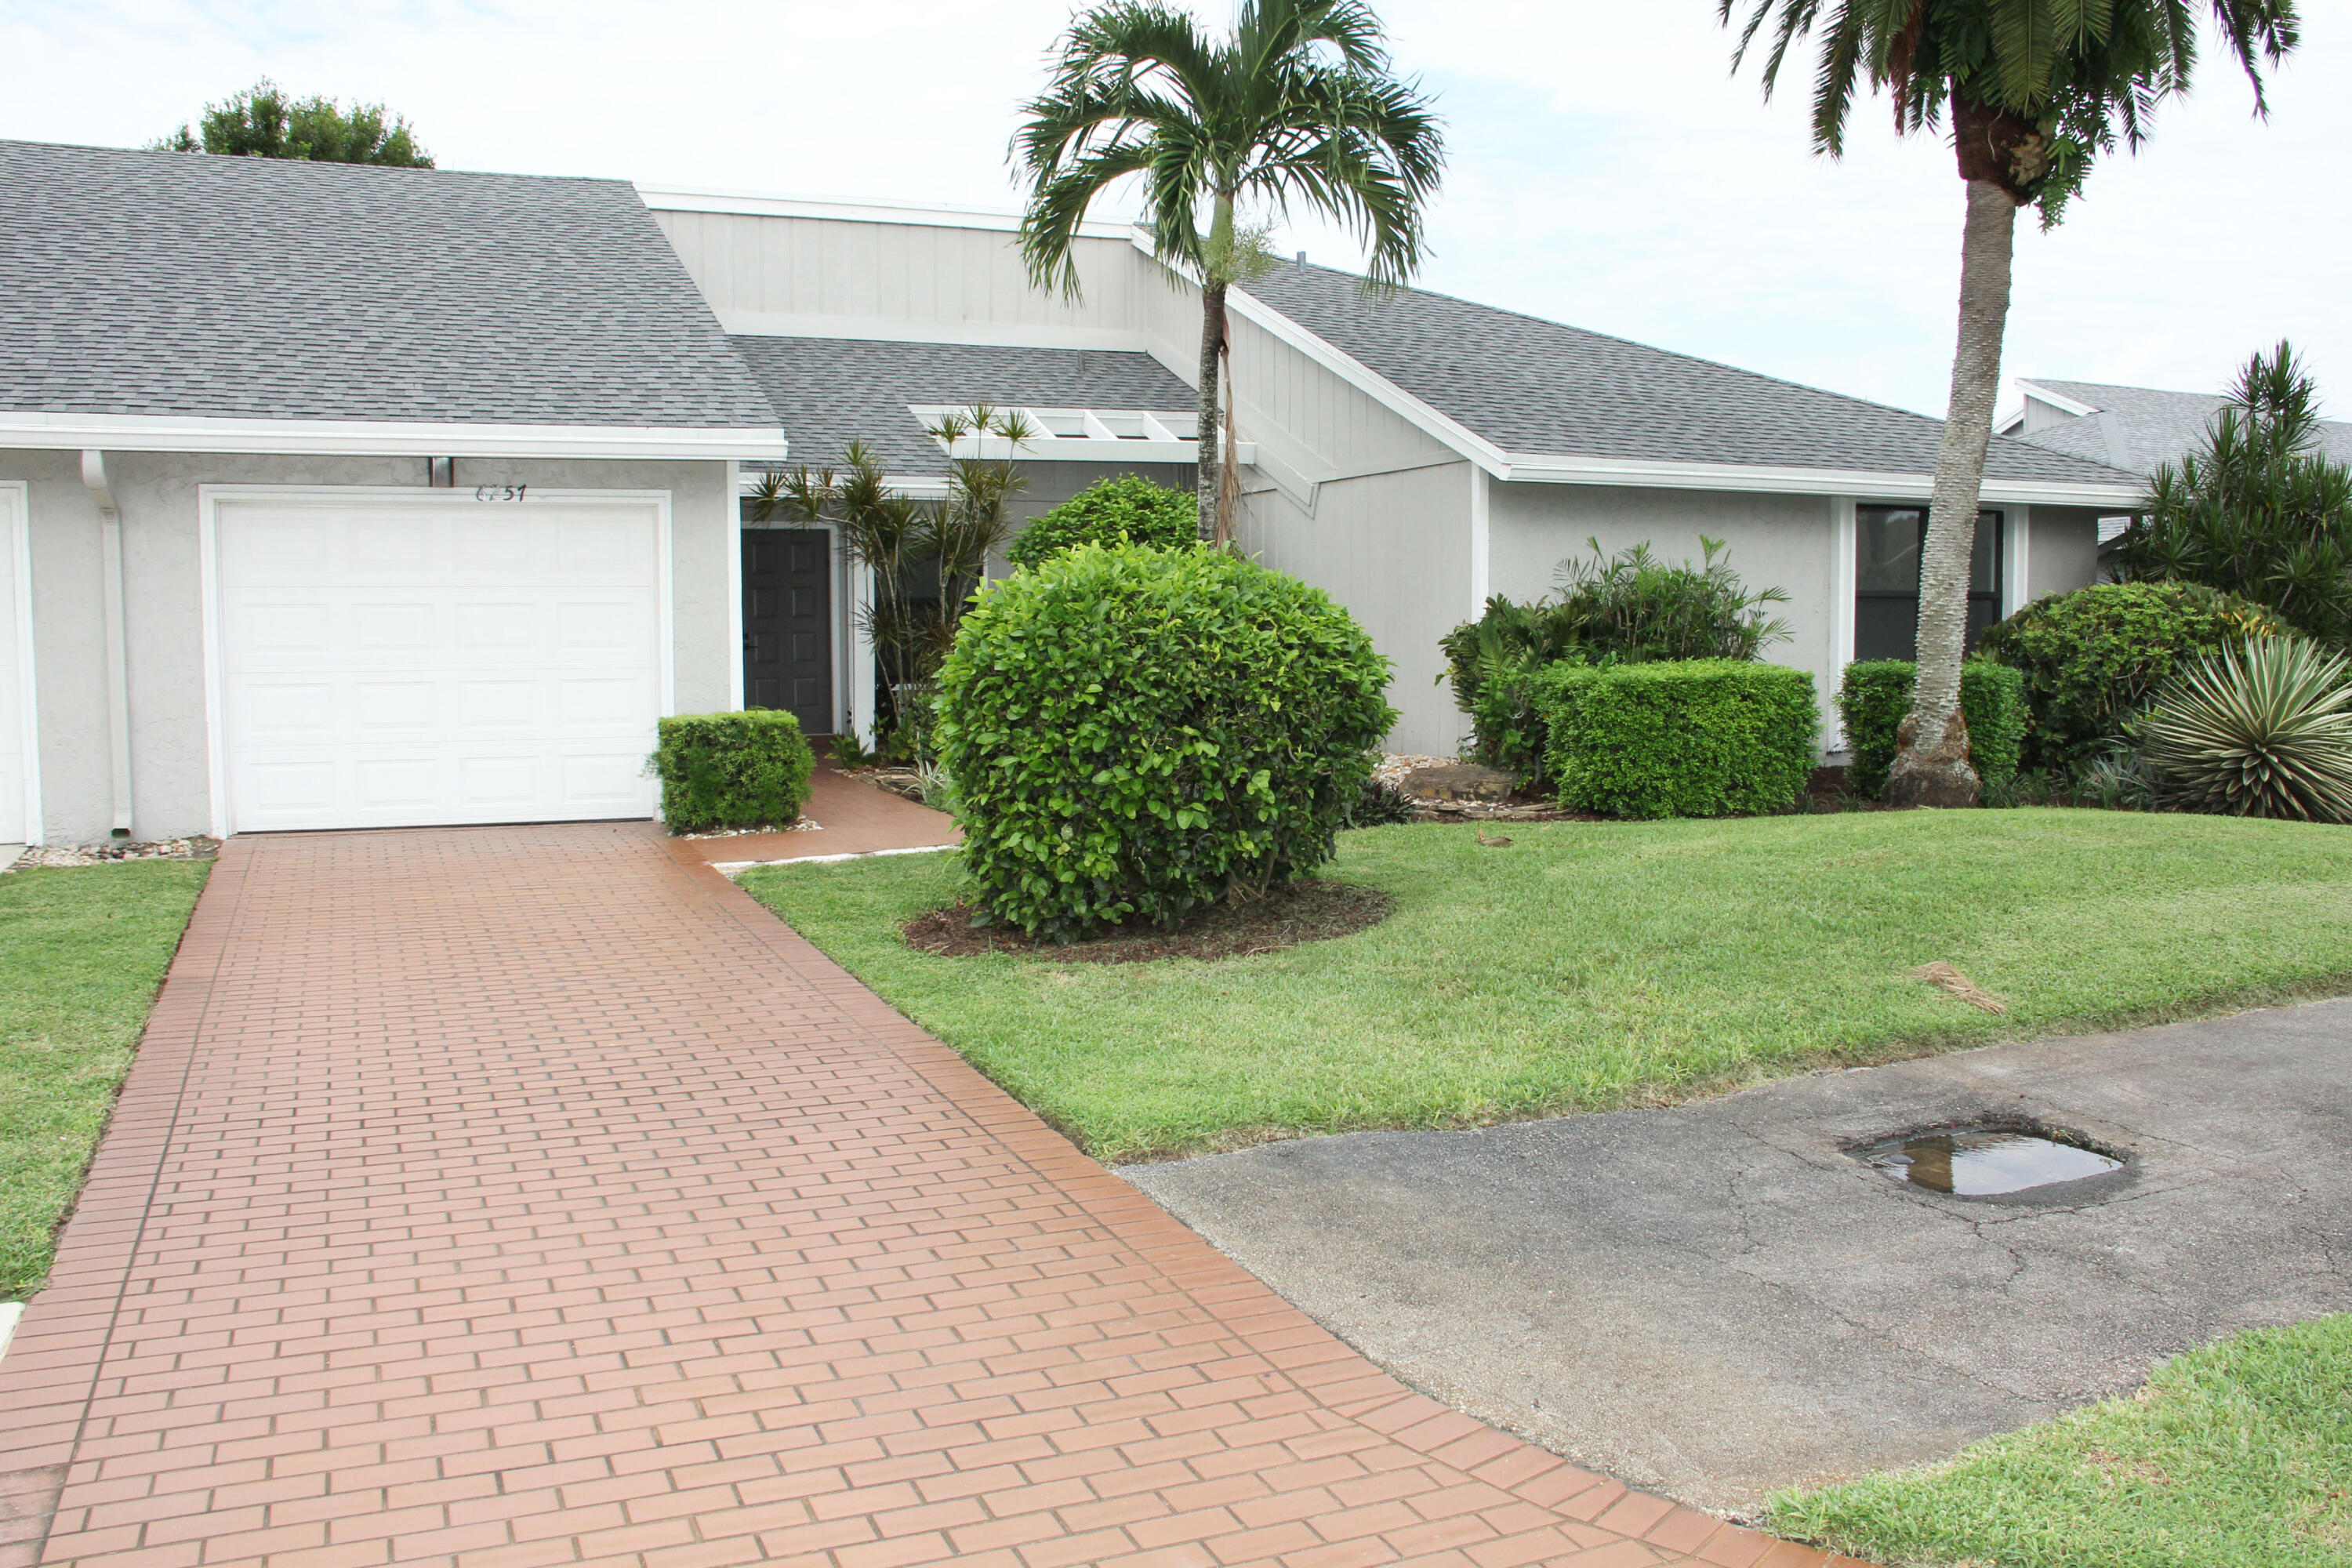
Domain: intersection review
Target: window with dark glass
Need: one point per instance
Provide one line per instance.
(1887, 547)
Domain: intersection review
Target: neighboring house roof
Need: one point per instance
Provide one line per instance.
(2140, 428)
(830, 391)
(1527, 385)
(197, 286)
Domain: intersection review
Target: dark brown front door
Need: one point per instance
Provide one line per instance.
(788, 624)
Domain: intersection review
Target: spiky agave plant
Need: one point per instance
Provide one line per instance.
(2261, 731)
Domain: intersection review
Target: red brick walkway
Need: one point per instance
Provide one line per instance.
(515, 1197)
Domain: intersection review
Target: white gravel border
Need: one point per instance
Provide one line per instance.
(733, 868)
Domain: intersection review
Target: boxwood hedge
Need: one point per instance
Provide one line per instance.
(1134, 733)
(1877, 693)
(1702, 737)
(731, 770)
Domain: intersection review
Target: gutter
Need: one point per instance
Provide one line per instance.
(117, 633)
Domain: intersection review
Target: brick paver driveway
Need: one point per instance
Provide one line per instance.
(530, 1196)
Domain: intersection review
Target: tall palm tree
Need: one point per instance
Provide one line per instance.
(2032, 91)
(1294, 108)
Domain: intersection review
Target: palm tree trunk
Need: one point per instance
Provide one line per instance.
(1931, 759)
(1207, 488)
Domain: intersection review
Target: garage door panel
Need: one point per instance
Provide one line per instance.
(595, 782)
(404, 664)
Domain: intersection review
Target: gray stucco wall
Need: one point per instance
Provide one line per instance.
(1771, 541)
(156, 493)
(1394, 548)
(2061, 552)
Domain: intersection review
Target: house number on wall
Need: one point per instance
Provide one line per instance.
(500, 493)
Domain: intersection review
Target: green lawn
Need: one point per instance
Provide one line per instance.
(1591, 966)
(2236, 1455)
(81, 953)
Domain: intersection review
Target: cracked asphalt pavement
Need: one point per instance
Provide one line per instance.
(1717, 1301)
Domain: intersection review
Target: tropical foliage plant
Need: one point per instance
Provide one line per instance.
(262, 121)
(1137, 733)
(1296, 109)
(925, 557)
(1123, 508)
(2032, 91)
(2263, 729)
(1630, 608)
(2260, 511)
(2093, 659)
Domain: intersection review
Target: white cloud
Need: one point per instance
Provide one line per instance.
(1607, 169)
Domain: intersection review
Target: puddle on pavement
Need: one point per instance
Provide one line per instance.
(1985, 1162)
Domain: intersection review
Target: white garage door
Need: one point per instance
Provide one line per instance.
(407, 660)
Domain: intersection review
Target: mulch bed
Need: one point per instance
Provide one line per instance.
(1313, 910)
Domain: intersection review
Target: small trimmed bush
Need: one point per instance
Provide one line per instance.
(1877, 693)
(1135, 733)
(2093, 659)
(1125, 509)
(1687, 738)
(731, 770)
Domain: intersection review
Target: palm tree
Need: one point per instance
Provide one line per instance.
(2033, 90)
(1297, 107)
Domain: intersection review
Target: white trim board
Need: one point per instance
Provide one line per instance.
(735, 634)
(904, 330)
(916, 215)
(209, 498)
(17, 540)
(363, 439)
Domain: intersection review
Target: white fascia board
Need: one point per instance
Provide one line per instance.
(1447, 430)
(361, 438)
(1865, 486)
(752, 204)
(905, 330)
(2058, 400)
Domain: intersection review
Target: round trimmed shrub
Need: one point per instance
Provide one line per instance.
(1125, 509)
(1134, 733)
(2093, 659)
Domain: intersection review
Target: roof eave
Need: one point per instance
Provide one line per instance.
(1543, 467)
(1861, 485)
(355, 437)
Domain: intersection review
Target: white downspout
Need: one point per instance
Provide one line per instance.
(118, 648)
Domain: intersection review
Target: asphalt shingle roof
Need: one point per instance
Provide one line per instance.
(830, 391)
(186, 284)
(1536, 386)
(2141, 427)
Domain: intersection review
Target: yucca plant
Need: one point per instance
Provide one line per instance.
(2264, 729)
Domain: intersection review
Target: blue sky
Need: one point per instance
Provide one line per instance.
(1606, 168)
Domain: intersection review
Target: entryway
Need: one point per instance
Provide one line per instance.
(788, 624)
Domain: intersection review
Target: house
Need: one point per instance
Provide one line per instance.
(2135, 428)
(341, 497)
